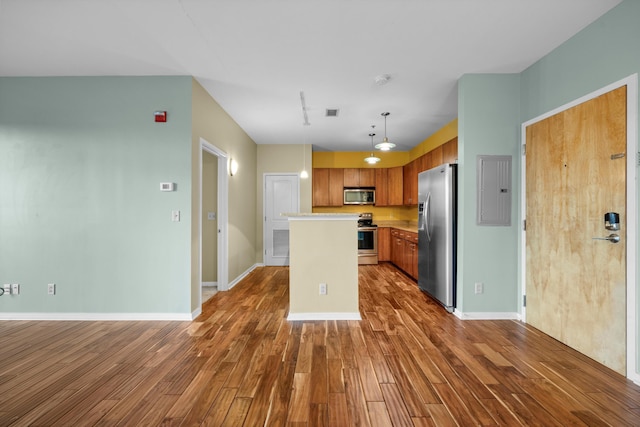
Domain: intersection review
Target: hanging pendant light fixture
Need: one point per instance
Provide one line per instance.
(372, 160)
(304, 174)
(385, 145)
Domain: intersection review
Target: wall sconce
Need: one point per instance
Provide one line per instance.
(233, 167)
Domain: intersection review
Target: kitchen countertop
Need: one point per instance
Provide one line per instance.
(400, 225)
(321, 216)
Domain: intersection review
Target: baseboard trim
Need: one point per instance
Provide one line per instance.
(487, 315)
(206, 284)
(243, 275)
(124, 317)
(323, 316)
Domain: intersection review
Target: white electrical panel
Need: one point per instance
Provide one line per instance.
(494, 190)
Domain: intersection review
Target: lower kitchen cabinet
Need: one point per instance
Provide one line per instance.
(384, 244)
(404, 251)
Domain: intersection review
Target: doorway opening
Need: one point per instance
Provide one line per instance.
(214, 214)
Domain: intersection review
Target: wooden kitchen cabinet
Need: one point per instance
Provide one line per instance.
(410, 184)
(404, 251)
(411, 254)
(424, 162)
(395, 186)
(328, 186)
(450, 151)
(359, 177)
(382, 186)
(436, 156)
(320, 183)
(367, 177)
(397, 248)
(384, 244)
(336, 187)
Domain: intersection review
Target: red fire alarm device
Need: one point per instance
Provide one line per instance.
(160, 116)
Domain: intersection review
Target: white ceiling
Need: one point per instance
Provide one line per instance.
(255, 56)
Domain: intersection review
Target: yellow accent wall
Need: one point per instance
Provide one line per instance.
(355, 159)
(444, 134)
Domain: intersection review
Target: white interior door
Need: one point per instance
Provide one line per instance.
(281, 195)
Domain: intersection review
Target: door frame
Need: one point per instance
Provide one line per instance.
(264, 206)
(631, 205)
(223, 215)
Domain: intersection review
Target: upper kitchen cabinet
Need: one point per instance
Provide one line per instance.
(424, 162)
(359, 177)
(436, 157)
(328, 186)
(395, 184)
(382, 187)
(389, 186)
(410, 183)
(450, 151)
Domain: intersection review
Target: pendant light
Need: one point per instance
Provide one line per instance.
(304, 174)
(372, 160)
(385, 145)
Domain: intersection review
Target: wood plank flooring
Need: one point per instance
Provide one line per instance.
(241, 363)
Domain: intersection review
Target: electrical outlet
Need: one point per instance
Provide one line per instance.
(479, 288)
(323, 288)
(7, 289)
(15, 289)
(51, 289)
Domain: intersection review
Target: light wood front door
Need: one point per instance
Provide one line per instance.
(575, 173)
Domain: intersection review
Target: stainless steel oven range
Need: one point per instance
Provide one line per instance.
(367, 239)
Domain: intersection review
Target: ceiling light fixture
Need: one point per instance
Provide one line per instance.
(372, 160)
(385, 145)
(382, 79)
(304, 174)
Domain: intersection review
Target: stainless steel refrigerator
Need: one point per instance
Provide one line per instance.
(437, 213)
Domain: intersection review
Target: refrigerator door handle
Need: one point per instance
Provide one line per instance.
(427, 209)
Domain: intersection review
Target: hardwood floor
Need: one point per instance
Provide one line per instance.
(407, 363)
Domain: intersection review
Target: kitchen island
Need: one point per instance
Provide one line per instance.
(323, 256)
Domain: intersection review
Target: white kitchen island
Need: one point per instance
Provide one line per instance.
(323, 249)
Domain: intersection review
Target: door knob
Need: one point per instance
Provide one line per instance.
(613, 238)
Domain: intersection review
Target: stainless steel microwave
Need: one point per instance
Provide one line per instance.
(359, 196)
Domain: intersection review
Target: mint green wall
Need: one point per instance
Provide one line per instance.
(488, 114)
(81, 160)
(603, 53)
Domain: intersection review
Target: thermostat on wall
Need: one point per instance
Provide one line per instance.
(167, 186)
